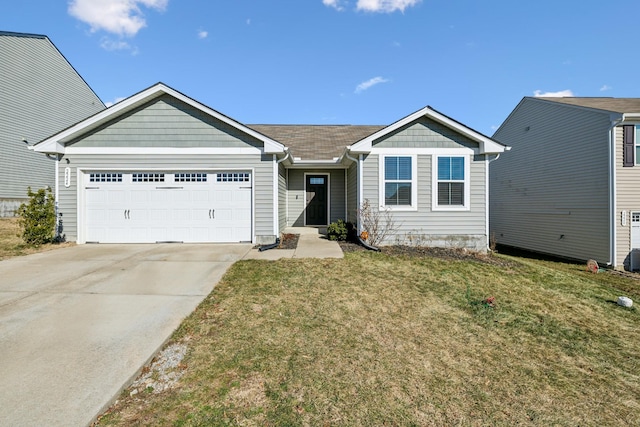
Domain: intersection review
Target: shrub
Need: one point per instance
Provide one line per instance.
(376, 224)
(337, 230)
(37, 218)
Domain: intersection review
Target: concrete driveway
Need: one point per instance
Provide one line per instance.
(76, 324)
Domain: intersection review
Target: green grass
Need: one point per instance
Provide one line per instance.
(11, 245)
(375, 339)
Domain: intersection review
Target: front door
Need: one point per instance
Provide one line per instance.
(316, 188)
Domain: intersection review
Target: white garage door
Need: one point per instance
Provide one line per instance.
(149, 207)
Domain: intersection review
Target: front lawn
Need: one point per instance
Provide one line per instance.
(12, 245)
(379, 339)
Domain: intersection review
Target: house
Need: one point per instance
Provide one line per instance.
(40, 93)
(570, 185)
(160, 166)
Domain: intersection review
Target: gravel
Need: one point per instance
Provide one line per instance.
(163, 372)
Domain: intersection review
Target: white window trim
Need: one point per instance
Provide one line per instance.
(467, 183)
(414, 182)
(636, 145)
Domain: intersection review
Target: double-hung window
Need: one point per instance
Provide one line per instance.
(398, 182)
(451, 183)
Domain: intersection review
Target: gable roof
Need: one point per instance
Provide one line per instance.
(614, 105)
(487, 145)
(55, 143)
(316, 142)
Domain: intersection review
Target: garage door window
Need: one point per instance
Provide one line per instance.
(190, 177)
(105, 177)
(147, 177)
(233, 177)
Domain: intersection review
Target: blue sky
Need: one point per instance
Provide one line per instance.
(344, 61)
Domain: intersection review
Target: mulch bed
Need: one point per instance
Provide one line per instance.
(441, 253)
(289, 241)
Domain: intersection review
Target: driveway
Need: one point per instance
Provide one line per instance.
(76, 324)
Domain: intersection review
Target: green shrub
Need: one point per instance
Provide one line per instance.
(37, 218)
(337, 230)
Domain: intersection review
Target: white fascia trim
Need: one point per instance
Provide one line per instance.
(487, 145)
(434, 185)
(414, 184)
(52, 144)
(163, 150)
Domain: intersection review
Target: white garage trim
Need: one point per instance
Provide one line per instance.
(165, 206)
(164, 150)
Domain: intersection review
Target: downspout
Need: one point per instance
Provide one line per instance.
(612, 192)
(359, 191)
(486, 186)
(276, 202)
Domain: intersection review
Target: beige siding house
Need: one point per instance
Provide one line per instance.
(569, 187)
(40, 93)
(161, 167)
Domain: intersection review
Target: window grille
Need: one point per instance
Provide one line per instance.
(105, 177)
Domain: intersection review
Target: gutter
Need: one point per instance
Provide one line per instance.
(276, 202)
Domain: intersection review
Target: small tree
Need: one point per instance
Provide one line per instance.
(37, 218)
(378, 224)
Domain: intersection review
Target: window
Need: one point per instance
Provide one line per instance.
(637, 144)
(147, 177)
(233, 177)
(190, 177)
(104, 177)
(398, 182)
(451, 183)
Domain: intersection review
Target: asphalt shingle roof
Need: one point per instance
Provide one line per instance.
(316, 142)
(616, 105)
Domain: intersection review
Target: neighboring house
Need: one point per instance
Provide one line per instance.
(570, 186)
(160, 166)
(40, 93)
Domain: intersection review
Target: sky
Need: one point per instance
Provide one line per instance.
(354, 62)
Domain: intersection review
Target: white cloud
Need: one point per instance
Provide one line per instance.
(382, 6)
(248, 21)
(121, 17)
(115, 101)
(369, 83)
(202, 34)
(385, 6)
(605, 87)
(559, 94)
(336, 4)
(107, 44)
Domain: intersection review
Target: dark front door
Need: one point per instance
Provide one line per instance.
(316, 188)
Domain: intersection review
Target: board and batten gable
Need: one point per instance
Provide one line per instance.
(167, 135)
(40, 94)
(550, 193)
(424, 139)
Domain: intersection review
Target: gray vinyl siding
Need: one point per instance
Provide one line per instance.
(166, 122)
(426, 227)
(550, 192)
(296, 194)
(352, 193)
(282, 198)
(262, 181)
(40, 94)
(425, 132)
(628, 200)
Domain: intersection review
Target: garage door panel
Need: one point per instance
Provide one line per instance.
(195, 207)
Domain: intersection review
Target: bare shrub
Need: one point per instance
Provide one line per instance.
(378, 224)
